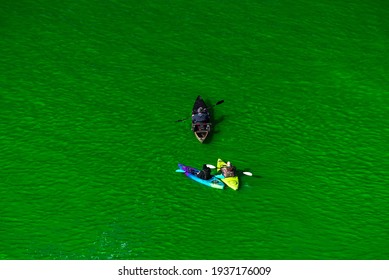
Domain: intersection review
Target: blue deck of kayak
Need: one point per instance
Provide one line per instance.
(191, 173)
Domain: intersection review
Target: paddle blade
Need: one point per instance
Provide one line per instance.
(211, 166)
(247, 173)
(180, 170)
(219, 102)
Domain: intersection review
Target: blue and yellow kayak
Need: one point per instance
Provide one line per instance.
(232, 182)
(191, 173)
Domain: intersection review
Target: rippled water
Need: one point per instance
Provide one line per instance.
(89, 144)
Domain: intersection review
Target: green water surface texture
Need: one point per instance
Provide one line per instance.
(90, 92)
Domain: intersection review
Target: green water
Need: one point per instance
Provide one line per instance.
(90, 92)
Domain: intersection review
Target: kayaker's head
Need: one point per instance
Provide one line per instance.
(200, 110)
(228, 164)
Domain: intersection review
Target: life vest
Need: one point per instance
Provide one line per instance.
(205, 174)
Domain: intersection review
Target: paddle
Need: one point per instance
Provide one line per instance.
(218, 103)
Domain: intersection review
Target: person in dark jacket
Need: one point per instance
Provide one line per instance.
(205, 174)
(201, 116)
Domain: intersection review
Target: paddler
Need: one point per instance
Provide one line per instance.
(205, 174)
(200, 116)
(228, 170)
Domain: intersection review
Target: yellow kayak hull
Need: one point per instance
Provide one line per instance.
(232, 182)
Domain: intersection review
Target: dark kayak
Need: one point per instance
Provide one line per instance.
(201, 129)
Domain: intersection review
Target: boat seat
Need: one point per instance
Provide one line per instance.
(200, 127)
(202, 123)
